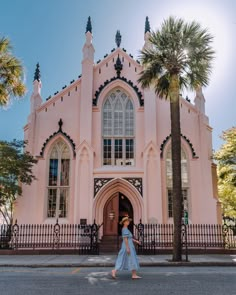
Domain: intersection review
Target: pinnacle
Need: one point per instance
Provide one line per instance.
(37, 74)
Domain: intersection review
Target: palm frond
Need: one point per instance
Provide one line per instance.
(178, 48)
(11, 74)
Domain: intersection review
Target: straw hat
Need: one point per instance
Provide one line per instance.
(124, 219)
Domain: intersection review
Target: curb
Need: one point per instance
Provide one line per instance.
(143, 264)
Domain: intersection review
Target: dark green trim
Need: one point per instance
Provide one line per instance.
(147, 25)
(64, 134)
(129, 82)
(185, 138)
(37, 74)
(89, 25)
(118, 38)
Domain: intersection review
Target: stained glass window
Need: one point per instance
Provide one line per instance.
(118, 129)
(58, 181)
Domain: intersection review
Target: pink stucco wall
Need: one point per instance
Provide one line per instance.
(83, 123)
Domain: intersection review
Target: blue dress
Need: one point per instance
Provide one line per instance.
(124, 260)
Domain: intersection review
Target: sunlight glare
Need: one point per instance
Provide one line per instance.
(214, 19)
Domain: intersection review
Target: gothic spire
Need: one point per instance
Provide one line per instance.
(118, 38)
(89, 25)
(37, 74)
(147, 25)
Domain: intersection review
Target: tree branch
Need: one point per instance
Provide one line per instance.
(4, 216)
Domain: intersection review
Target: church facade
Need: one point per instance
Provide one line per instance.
(103, 149)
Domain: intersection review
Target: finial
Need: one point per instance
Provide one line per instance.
(118, 38)
(147, 25)
(118, 66)
(37, 73)
(89, 25)
(60, 123)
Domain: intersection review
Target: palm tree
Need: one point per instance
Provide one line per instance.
(179, 56)
(11, 74)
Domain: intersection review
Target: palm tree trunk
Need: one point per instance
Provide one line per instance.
(176, 166)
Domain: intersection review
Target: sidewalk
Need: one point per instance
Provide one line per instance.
(109, 260)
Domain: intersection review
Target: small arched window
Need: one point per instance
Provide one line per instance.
(118, 129)
(185, 182)
(58, 181)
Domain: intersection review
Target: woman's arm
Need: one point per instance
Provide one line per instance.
(136, 241)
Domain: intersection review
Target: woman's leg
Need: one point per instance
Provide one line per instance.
(113, 273)
(134, 274)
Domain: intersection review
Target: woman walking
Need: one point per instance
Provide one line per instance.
(127, 257)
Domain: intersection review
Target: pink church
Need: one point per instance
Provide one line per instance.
(103, 149)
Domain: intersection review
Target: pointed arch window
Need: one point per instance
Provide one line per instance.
(58, 181)
(118, 129)
(185, 182)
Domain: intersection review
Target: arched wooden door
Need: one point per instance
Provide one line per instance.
(111, 216)
(115, 209)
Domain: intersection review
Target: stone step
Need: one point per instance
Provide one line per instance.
(115, 241)
(108, 249)
(109, 244)
(110, 241)
(110, 238)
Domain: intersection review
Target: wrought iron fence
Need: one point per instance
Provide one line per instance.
(85, 238)
(82, 238)
(194, 236)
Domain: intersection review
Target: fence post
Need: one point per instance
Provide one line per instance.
(56, 238)
(5, 235)
(185, 240)
(15, 235)
(94, 238)
(141, 236)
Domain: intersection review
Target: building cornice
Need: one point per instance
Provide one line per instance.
(59, 94)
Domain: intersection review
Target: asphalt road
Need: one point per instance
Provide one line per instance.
(161, 281)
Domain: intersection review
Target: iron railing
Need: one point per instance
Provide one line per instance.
(82, 238)
(85, 239)
(154, 237)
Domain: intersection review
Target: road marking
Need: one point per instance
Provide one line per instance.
(75, 271)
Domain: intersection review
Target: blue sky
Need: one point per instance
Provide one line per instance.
(51, 32)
